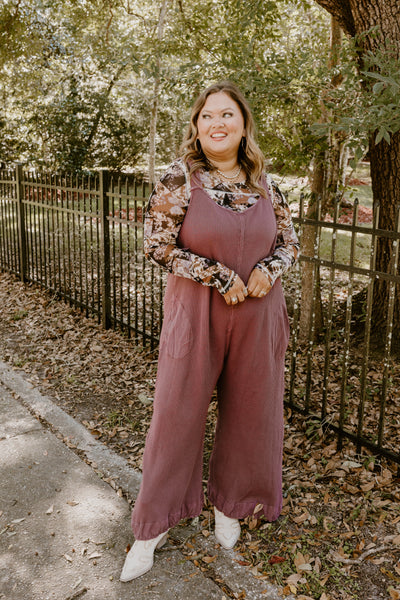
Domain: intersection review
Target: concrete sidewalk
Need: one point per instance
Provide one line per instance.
(64, 531)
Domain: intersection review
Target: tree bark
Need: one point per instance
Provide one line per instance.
(334, 164)
(341, 10)
(325, 181)
(379, 20)
(156, 91)
(102, 105)
(385, 175)
(311, 315)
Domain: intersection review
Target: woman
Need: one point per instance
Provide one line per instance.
(223, 230)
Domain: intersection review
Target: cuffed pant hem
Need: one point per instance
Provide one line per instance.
(148, 531)
(240, 510)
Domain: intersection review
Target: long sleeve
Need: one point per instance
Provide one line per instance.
(287, 245)
(165, 213)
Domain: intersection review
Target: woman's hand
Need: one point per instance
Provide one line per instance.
(258, 284)
(237, 293)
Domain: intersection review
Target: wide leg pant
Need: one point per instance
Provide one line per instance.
(240, 350)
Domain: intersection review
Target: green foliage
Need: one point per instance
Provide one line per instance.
(382, 73)
(372, 104)
(76, 79)
(276, 52)
(60, 68)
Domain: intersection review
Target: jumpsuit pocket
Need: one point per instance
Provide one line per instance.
(282, 332)
(178, 334)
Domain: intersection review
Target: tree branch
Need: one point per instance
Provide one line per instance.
(102, 105)
(193, 31)
(109, 25)
(341, 10)
(363, 556)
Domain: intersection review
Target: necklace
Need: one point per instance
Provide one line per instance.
(230, 176)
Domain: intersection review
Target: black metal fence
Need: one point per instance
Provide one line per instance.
(347, 376)
(82, 238)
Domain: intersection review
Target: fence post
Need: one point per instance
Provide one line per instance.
(21, 222)
(105, 248)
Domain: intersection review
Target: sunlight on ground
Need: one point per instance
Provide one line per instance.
(343, 248)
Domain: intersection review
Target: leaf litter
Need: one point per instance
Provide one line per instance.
(338, 537)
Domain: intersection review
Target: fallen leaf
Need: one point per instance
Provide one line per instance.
(368, 486)
(352, 489)
(294, 578)
(299, 559)
(209, 559)
(351, 464)
(317, 565)
(305, 567)
(253, 523)
(276, 559)
(304, 517)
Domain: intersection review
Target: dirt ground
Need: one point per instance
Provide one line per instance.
(338, 537)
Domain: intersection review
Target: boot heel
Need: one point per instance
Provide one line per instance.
(162, 541)
(140, 557)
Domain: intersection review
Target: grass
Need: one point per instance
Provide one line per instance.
(362, 192)
(294, 186)
(19, 362)
(120, 419)
(300, 562)
(19, 314)
(343, 248)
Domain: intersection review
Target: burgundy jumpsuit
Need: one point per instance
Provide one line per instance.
(206, 344)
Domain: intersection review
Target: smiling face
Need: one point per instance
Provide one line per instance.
(220, 127)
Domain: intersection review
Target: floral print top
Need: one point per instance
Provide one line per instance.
(166, 211)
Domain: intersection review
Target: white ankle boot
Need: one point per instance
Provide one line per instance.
(227, 530)
(140, 557)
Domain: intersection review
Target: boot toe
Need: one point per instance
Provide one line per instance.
(135, 566)
(228, 537)
(227, 530)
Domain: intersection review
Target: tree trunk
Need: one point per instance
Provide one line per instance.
(153, 133)
(102, 106)
(381, 20)
(326, 177)
(334, 164)
(385, 174)
(311, 316)
(156, 91)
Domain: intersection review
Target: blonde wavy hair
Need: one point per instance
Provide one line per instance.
(249, 154)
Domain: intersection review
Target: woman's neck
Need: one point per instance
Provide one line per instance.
(226, 166)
